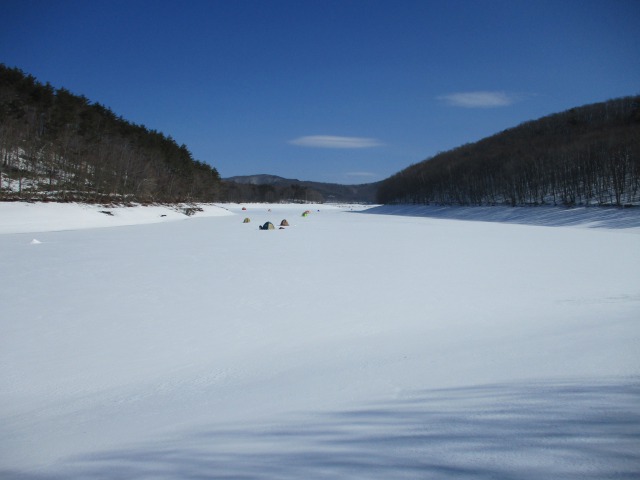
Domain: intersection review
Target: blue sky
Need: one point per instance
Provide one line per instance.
(347, 91)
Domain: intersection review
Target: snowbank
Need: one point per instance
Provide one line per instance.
(23, 217)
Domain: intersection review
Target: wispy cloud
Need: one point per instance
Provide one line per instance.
(479, 99)
(328, 141)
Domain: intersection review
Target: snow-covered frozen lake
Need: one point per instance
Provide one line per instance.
(394, 342)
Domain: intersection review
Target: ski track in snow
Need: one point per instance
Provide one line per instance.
(411, 343)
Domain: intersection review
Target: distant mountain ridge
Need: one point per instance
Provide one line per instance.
(262, 179)
(308, 190)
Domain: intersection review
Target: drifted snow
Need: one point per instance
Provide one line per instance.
(22, 217)
(347, 345)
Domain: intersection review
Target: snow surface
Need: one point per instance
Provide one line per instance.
(21, 217)
(383, 343)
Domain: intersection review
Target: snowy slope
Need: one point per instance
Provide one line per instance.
(348, 345)
(22, 217)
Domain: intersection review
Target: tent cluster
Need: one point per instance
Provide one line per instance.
(269, 225)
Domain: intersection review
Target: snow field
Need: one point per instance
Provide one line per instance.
(22, 217)
(347, 345)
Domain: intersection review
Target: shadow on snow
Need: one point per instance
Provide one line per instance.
(593, 217)
(533, 431)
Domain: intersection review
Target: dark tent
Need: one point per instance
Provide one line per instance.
(267, 226)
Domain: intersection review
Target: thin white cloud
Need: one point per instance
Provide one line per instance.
(328, 141)
(479, 99)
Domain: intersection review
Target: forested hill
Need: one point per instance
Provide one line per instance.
(585, 156)
(60, 146)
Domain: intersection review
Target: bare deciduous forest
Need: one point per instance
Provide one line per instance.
(584, 156)
(59, 146)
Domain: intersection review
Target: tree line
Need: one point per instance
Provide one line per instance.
(584, 156)
(60, 146)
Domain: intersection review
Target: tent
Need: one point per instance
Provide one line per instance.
(267, 226)
(246, 220)
(284, 223)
